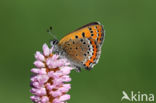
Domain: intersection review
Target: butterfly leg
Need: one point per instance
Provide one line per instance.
(77, 69)
(87, 68)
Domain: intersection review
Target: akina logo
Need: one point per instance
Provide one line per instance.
(137, 96)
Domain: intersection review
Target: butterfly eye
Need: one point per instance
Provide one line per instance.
(54, 42)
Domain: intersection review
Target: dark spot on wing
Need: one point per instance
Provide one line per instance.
(90, 28)
(84, 54)
(90, 63)
(76, 36)
(83, 34)
(81, 40)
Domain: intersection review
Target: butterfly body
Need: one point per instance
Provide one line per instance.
(82, 47)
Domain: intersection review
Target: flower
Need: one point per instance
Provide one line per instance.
(49, 78)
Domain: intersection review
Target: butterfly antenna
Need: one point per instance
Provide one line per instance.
(50, 32)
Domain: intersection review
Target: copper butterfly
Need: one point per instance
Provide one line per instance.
(82, 47)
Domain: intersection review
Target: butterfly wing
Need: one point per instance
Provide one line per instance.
(83, 46)
(78, 51)
(92, 30)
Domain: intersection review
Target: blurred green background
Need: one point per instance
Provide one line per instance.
(128, 60)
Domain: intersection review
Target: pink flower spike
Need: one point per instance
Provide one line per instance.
(66, 78)
(49, 86)
(44, 99)
(42, 79)
(50, 74)
(39, 64)
(64, 97)
(66, 70)
(65, 88)
(36, 85)
(46, 50)
(56, 100)
(35, 70)
(41, 92)
(55, 57)
(56, 93)
(42, 71)
(35, 99)
(39, 56)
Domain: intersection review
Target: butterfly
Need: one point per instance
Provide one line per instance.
(82, 47)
